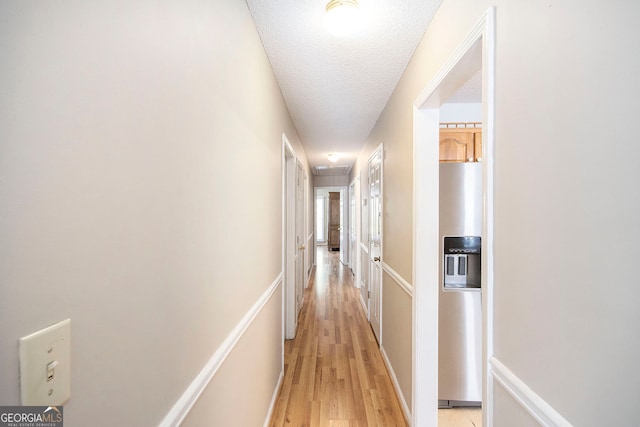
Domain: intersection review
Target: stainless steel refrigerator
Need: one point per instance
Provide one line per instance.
(460, 306)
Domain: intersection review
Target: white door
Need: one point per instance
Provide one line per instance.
(375, 241)
(293, 223)
(300, 239)
(352, 227)
(344, 230)
(363, 246)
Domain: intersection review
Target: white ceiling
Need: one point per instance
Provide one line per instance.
(471, 91)
(335, 88)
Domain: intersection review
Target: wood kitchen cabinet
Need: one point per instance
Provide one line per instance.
(460, 142)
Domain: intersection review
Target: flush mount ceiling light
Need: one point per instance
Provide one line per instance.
(342, 17)
(333, 157)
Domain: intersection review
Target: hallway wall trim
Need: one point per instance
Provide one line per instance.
(406, 286)
(191, 395)
(364, 286)
(274, 400)
(537, 407)
(396, 385)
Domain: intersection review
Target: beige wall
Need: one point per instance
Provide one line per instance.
(331, 181)
(566, 175)
(564, 187)
(140, 169)
(396, 335)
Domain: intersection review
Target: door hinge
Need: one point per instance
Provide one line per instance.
(368, 294)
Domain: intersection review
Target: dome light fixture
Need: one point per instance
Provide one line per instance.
(342, 17)
(333, 157)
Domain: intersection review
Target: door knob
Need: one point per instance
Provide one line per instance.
(302, 248)
(376, 258)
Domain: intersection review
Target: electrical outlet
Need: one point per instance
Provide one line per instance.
(45, 366)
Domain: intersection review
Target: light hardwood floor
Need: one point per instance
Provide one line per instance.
(334, 372)
(460, 417)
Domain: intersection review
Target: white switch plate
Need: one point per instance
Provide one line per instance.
(40, 386)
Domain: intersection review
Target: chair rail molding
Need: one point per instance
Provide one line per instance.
(183, 405)
(535, 405)
(406, 286)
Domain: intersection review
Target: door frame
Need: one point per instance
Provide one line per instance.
(300, 237)
(345, 205)
(354, 226)
(378, 151)
(476, 51)
(363, 241)
(336, 188)
(289, 168)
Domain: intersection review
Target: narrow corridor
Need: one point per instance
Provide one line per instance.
(334, 372)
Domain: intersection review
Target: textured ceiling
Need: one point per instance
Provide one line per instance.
(335, 88)
(471, 91)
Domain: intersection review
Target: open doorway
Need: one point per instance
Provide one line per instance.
(331, 222)
(475, 53)
(460, 251)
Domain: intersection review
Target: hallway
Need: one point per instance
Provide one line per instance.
(334, 372)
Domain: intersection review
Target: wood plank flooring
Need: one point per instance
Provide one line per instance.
(334, 373)
(460, 417)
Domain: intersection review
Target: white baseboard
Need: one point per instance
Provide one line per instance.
(535, 405)
(396, 385)
(364, 305)
(183, 405)
(274, 399)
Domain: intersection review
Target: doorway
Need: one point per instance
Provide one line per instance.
(294, 240)
(332, 227)
(477, 52)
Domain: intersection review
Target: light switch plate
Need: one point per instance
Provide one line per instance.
(45, 366)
